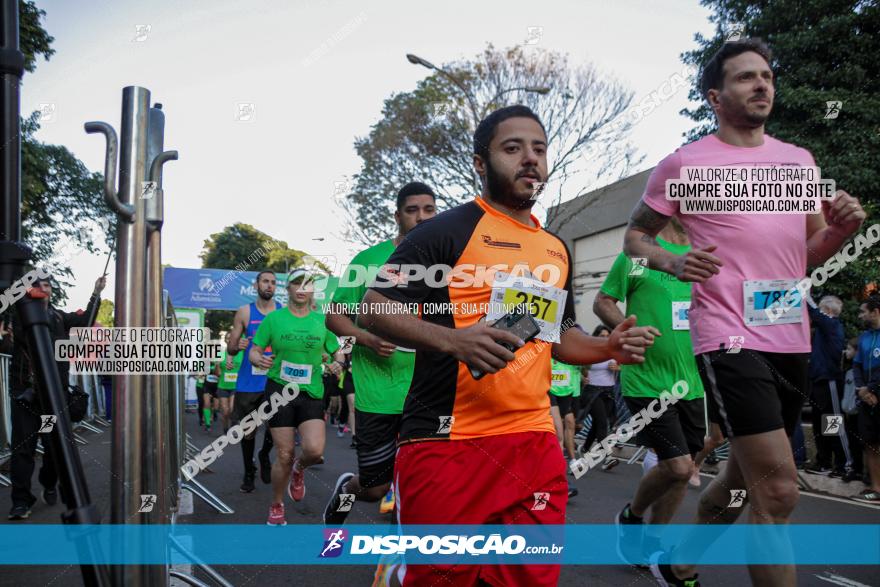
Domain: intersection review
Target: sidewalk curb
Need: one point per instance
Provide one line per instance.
(823, 484)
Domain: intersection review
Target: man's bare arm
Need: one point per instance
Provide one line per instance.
(605, 307)
(477, 346)
(239, 325)
(341, 324)
(824, 238)
(640, 241)
(626, 344)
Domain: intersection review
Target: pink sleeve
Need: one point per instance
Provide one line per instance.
(655, 191)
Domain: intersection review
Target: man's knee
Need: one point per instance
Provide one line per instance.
(285, 454)
(678, 469)
(777, 497)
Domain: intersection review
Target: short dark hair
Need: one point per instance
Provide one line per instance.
(712, 76)
(264, 271)
(486, 129)
(599, 329)
(872, 302)
(413, 188)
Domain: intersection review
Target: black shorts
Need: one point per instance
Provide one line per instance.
(751, 392)
(331, 385)
(565, 403)
(677, 432)
(869, 424)
(246, 402)
(210, 388)
(348, 384)
(301, 409)
(376, 446)
(223, 393)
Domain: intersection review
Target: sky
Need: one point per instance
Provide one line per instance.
(317, 73)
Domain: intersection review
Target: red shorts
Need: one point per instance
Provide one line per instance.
(490, 480)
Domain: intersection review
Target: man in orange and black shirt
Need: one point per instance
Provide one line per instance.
(478, 451)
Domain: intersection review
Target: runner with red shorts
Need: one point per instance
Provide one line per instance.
(477, 451)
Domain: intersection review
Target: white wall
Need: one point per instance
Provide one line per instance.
(593, 253)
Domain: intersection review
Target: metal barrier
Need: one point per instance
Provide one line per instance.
(5, 417)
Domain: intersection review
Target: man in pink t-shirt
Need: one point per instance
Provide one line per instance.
(753, 362)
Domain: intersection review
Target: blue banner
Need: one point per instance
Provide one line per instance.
(228, 289)
(575, 544)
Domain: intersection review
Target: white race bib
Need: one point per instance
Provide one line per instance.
(680, 315)
(544, 302)
(781, 295)
(258, 370)
(560, 378)
(211, 379)
(230, 377)
(295, 373)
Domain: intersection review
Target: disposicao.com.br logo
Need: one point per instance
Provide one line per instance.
(450, 544)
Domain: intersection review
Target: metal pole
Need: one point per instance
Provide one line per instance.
(128, 393)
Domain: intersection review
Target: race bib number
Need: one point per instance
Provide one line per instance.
(768, 302)
(680, 315)
(544, 302)
(258, 370)
(211, 379)
(295, 373)
(560, 378)
(230, 377)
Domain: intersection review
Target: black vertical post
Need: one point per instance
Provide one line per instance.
(33, 318)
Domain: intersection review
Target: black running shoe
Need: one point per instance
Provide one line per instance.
(630, 533)
(19, 512)
(572, 491)
(265, 468)
(662, 572)
(336, 511)
(49, 496)
(248, 485)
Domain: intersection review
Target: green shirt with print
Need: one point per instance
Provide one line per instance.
(565, 379)
(657, 299)
(229, 378)
(381, 383)
(298, 344)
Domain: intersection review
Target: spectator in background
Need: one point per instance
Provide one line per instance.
(597, 400)
(26, 408)
(850, 407)
(826, 384)
(866, 375)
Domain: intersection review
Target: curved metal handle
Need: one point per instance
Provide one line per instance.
(156, 167)
(111, 197)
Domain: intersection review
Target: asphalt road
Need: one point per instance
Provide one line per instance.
(601, 496)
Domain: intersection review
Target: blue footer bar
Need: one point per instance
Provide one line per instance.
(575, 544)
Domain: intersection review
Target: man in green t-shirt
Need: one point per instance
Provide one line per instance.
(676, 436)
(565, 382)
(382, 372)
(565, 385)
(299, 338)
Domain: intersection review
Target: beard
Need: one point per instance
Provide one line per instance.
(502, 191)
(264, 294)
(740, 116)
